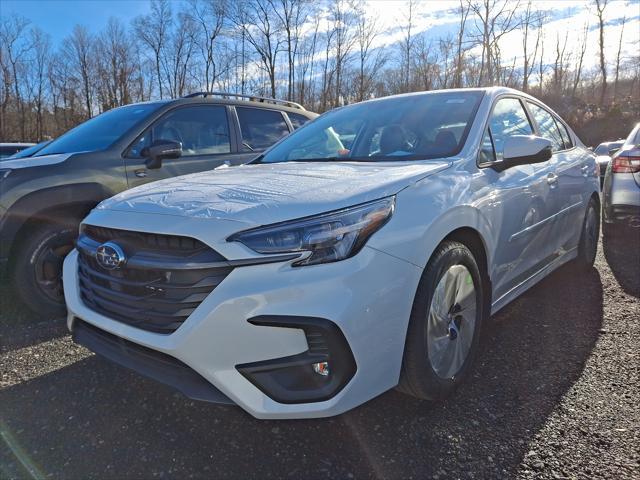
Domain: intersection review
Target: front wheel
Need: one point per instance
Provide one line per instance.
(38, 268)
(445, 324)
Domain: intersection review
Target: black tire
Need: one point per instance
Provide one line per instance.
(589, 236)
(418, 377)
(38, 268)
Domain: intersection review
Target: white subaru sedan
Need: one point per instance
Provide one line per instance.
(363, 252)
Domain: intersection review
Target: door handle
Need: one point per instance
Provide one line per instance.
(141, 172)
(552, 180)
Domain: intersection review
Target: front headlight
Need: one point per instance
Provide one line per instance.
(329, 237)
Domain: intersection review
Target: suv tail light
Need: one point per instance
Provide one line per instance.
(626, 163)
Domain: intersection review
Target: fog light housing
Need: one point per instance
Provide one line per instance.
(315, 375)
(322, 368)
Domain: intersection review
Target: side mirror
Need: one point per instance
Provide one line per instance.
(161, 150)
(523, 150)
(613, 151)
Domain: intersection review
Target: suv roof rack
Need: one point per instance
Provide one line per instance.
(252, 98)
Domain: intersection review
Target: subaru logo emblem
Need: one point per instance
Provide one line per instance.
(110, 256)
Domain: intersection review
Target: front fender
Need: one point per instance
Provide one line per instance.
(35, 205)
(425, 215)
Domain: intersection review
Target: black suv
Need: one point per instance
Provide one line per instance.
(43, 198)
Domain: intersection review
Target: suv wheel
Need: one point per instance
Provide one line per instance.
(445, 324)
(38, 268)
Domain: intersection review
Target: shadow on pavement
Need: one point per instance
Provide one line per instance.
(93, 419)
(622, 252)
(20, 327)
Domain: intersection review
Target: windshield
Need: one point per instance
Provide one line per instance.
(432, 125)
(101, 131)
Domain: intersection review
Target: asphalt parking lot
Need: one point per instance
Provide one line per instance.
(556, 394)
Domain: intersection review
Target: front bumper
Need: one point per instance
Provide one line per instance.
(368, 298)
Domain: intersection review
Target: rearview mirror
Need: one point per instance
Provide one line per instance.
(523, 150)
(161, 150)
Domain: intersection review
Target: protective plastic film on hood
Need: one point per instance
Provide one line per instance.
(261, 194)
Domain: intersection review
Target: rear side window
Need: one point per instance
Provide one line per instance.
(508, 119)
(548, 126)
(297, 120)
(260, 128)
(564, 133)
(202, 130)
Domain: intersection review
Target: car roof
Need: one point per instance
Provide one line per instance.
(221, 99)
(490, 91)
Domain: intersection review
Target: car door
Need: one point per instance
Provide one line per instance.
(571, 172)
(205, 136)
(518, 201)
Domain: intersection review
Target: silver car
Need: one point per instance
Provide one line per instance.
(621, 189)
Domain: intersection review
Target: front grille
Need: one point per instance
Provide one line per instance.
(163, 281)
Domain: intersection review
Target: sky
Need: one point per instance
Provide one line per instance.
(436, 17)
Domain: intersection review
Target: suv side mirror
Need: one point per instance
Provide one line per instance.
(523, 150)
(161, 150)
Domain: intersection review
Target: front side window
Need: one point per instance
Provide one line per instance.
(487, 154)
(413, 127)
(508, 119)
(100, 132)
(548, 126)
(260, 128)
(202, 130)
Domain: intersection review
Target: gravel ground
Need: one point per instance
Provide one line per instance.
(556, 394)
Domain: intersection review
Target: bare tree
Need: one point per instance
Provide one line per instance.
(177, 56)
(493, 20)
(367, 30)
(342, 20)
(115, 63)
(306, 62)
(407, 43)
(463, 12)
(13, 50)
(79, 52)
(529, 20)
(41, 58)
(560, 65)
(153, 31)
(291, 14)
(263, 32)
(617, 72)
(209, 17)
(580, 59)
(600, 7)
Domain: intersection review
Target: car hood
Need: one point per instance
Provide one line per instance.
(39, 161)
(270, 193)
